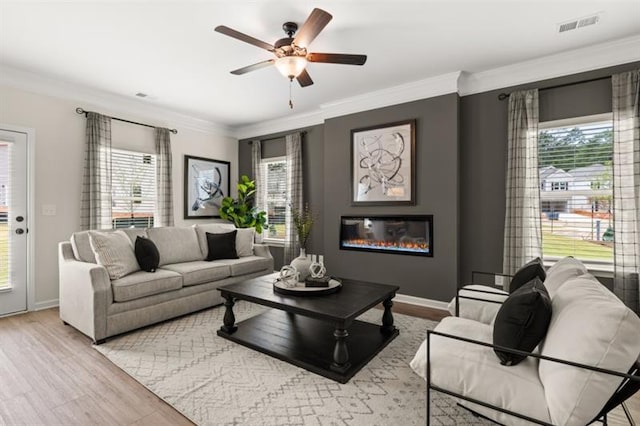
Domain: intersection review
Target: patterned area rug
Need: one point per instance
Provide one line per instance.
(213, 381)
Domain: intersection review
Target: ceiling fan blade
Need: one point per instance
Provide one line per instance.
(253, 67)
(317, 20)
(304, 79)
(337, 58)
(243, 37)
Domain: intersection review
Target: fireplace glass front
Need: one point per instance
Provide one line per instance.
(408, 234)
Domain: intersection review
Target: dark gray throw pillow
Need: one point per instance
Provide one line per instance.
(522, 321)
(147, 254)
(221, 246)
(532, 269)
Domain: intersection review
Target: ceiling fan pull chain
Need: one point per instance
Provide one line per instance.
(290, 85)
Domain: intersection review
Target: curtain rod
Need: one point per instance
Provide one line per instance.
(81, 111)
(303, 133)
(503, 96)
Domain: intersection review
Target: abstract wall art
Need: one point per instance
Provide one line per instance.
(383, 164)
(206, 183)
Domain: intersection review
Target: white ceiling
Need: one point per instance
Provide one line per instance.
(170, 51)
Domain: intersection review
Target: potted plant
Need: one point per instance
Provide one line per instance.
(242, 210)
(303, 221)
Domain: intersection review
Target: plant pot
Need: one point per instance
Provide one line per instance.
(302, 264)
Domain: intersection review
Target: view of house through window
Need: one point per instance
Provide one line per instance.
(576, 190)
(275, 175)
(133, 186)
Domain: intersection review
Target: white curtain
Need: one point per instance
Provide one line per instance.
(164, 207)
(96, 198)
(626, 186)
(522, 226)
(294, 188)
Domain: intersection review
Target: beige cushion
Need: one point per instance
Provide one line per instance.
(142, 284)
(114, 251)
(246, 265)
(82, 247)
(562, 271)
(479, 310)
(200, 272)
(591, 326)
(475, 371)
(175, 244)
(244, 237)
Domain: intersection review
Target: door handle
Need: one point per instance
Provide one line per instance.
(19, 231)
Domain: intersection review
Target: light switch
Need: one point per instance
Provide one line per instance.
(48, 209)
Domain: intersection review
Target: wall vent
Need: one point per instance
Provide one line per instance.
(578, 23)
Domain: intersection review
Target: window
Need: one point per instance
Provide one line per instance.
(576, 191)
(276, 203)
(133, 186)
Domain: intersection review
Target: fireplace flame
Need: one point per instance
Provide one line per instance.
(401, 245)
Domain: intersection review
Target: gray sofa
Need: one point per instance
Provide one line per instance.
(184, 282)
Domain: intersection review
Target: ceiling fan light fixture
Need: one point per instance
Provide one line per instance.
(291, 66)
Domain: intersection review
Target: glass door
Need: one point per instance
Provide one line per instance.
(13, 222)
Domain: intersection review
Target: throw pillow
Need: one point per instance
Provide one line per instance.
(522, 321)
(222, 246)
(114, 251)
(529, 271)
(244, 241)
(147, 254)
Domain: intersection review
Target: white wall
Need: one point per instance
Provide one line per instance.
(59, 151)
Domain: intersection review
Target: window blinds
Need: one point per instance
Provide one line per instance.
(576, 191)
(275, 173)
(133, 184)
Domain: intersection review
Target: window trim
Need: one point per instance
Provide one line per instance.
(264, 162)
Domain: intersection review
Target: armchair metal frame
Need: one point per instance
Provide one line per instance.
(473, 277)
(629, 386)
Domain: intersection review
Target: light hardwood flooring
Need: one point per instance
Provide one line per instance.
(50, 374)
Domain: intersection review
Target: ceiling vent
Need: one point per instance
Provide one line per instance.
(141, 95)
(579, 23)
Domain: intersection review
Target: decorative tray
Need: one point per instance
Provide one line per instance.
(300, 289)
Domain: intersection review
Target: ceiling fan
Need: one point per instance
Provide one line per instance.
(291, 53)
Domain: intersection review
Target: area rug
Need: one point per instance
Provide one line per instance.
(213, 381)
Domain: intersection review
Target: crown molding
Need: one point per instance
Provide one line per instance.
(117, 104)
(413, 91)
(557, 65)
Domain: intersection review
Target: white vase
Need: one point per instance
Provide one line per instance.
(302, 264)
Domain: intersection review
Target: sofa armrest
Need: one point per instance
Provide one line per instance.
(631, 379)
(262, 250)
(85, 293)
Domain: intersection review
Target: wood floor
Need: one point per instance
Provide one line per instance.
(50, 374)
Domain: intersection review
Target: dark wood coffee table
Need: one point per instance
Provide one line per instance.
(321, 333)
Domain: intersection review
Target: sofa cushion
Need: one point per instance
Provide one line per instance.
(246, 265)
(142, 284)
(479, 310)
(562, 271)
(244, 237)
(200, 271)
(522, 321)
(474, 371)
(530, 270)
(176, 244)
(114, 251)
(221, 246)
(591, 326)
(147, 254)
(82, 247)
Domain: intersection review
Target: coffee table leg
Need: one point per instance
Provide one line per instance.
(340, 351)
(229, 319)
(387, 317)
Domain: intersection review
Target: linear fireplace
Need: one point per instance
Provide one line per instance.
(397, 234)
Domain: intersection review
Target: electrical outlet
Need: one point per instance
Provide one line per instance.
(48, 209)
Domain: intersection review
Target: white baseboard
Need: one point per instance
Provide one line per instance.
(419, 301)
(45, 304)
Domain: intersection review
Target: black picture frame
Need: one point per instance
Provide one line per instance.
(383, 164)
(206, 183)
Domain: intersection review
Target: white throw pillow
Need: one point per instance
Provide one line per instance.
(244, 242)
(114, 251)
(479, 310)
(562, 271)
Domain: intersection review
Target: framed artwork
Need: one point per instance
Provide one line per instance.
(206, 183)
(383, 164)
